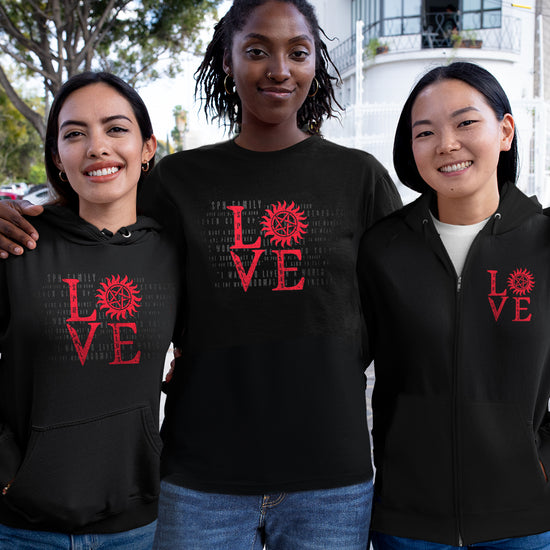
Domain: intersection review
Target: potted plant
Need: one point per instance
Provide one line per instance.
(466, 39)
(375, 47)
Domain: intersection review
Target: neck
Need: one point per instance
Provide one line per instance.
(110, 216)
(269, 138)
(467, 210)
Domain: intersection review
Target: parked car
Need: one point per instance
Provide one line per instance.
(19, 188)
(8, 195)
(39, 194)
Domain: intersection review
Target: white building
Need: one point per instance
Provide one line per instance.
(508, 41)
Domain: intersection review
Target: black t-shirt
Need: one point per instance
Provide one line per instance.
(269, 393)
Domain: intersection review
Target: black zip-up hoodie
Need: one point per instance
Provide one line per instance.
(85, 323)
(461, 423)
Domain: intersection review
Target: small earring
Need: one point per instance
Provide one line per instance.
(145, 166)
(316, 88)
(63, 177)
(225, 84)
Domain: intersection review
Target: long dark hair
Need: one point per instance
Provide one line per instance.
(487, 85)
(65, 193)
(227, 108)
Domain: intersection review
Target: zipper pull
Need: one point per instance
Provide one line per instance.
(459, 284)
(6, 488)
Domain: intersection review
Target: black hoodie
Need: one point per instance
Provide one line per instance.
(461, 423)
(85, 323)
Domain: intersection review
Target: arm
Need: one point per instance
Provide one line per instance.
(14, 229)
(10, 453)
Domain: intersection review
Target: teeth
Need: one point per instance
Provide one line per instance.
(103, 171)
(456, 167)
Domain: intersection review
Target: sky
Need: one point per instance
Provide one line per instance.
(163, 95)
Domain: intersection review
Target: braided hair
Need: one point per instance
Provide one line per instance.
(210, 76)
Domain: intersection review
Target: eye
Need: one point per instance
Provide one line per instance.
(300, 55)
(72, 134)
(425, 133)
(467, 123)
(255, 53)
(117, 130)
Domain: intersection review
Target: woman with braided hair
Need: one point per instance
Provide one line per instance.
(265, 431)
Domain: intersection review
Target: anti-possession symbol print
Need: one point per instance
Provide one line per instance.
(284, 224)
(118, 297)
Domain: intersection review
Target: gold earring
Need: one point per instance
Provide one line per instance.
(316, 88)
(225, 84)
(63, 177)
(145, 166)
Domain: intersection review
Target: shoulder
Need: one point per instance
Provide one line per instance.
(385, 230)
(349, 154)
(190, 156)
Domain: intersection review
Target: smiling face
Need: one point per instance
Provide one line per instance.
(456, 143)
(101, 149)
(272, 62)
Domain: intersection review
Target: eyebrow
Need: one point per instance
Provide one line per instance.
(453, 114)
(103, 120)
(299, 38)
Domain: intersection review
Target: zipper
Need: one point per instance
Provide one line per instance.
(455, 420)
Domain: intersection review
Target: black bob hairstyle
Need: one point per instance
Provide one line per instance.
(486, 84)
(65, 193)
(210, 74)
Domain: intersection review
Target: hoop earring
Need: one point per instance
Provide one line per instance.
(63, 177)
(225, 84)
(145, 166)
(316, 88)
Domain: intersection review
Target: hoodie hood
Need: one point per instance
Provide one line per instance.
(513, 209)
(78, 230)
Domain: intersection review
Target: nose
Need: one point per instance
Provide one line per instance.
(448, 143)
(279, 68)
(97, 146)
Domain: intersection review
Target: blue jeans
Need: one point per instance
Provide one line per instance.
(533, 542)
(22, 539)
(305, 520)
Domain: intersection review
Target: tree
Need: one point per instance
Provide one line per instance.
(55, 39)
(21, 152)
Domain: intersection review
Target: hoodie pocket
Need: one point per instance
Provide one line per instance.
(416, 464)
(83, 471)
(500, 464)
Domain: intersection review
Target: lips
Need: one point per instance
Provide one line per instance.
(276, 91)
(456, 167)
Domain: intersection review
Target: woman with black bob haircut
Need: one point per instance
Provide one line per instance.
(487, 85)
(457, 304)
(86, 320)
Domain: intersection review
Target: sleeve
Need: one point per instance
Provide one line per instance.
(366, 304)
(384, 199)
(544, 444)
(10, 453)
(155, 198)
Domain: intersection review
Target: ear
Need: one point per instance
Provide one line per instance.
(507, 131)
(149, 149)
(227, 62)
(57, 161)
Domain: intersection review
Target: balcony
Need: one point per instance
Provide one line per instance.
(433, 30)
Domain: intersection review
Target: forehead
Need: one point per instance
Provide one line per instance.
(95, 100)
(448, 96)
(276, 20)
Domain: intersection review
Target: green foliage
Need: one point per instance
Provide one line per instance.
(139, 40)
(21, 147)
